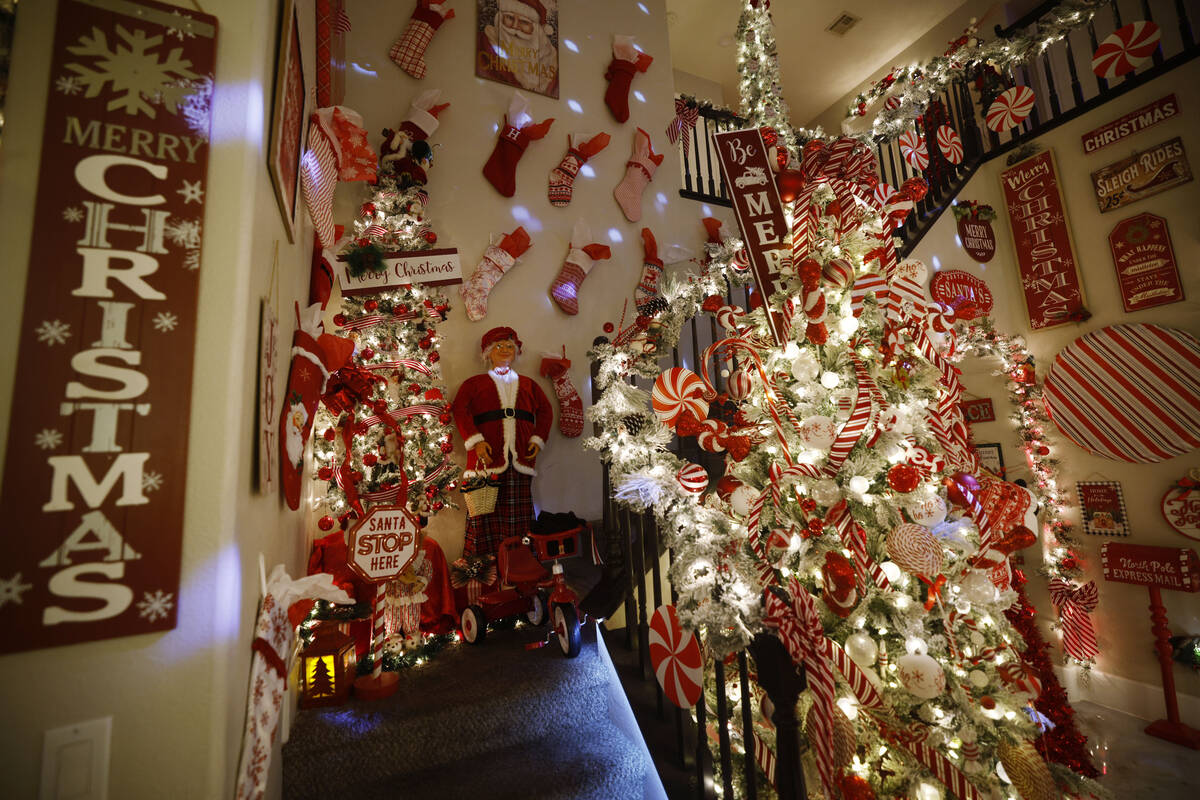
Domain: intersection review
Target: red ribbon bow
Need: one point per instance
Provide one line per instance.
(1074, 610)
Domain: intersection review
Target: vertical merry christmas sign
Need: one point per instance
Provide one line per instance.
(1042, 240)
(94, 475)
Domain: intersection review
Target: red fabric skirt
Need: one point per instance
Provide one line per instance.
(512, 517)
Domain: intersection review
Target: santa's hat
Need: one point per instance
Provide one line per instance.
(422, 119)
(499, 335)
(525, 8)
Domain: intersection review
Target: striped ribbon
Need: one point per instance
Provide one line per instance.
(403, 363)
(402, 413)
(854, 539)
(764, 757)
(681, 127)
(379, 620)
(375, 231)
(737, 343)
(1074, 611)
(341, 21)
(868, 283)
(949, 775)
(860, 417)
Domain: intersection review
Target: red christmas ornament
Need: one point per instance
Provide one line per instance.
(330, 434)
(430, 237)
(1043, 451)
(356, 476)
(434, 357)
(368, 353)
(987, 702)
(325, 523)
(339, 319)
(414, 387)
(808, 505)
(815, 528)
(325, 473)
(957, 484)
(438, 505)
(444, 419)
(855, 787)
(401, 309)
(1069, 562)
(370, 459)
(1018, 538)
(371, 305)
(447, 446)
(790, 182)
(424, 344)
(609, 327)
(903, 478)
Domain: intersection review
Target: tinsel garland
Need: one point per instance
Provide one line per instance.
(920, 83)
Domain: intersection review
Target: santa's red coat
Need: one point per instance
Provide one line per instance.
(509, 438)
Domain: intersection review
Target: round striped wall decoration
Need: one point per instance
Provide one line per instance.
(1128, 392)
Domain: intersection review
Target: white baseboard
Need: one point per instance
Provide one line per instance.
(1144, 700)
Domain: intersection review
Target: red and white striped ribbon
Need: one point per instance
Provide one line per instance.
(949, 775)
(402, 363)
(403, 413)
(1074, 611)
(375, 231)
(848, 436)
(379, 633)
(868, 283)
(764, 757)
(854, 538)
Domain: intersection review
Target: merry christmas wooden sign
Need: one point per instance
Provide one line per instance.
(96, 463)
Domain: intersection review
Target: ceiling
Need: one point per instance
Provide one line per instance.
(816, 67)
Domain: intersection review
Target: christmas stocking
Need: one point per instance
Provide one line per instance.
(562, 177)
(499, 258)
(625, 62)
(570, 407)
(639, 171)
(337, 150)
(284, 606)
(518, 131)
(314, 356)
(652, 267)
(409, 50)
(575, 268)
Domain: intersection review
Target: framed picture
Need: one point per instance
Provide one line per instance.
(1102, 508)
(288, 119)
(992, 457)
(517, 44)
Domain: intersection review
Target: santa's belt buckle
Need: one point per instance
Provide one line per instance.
(510, 412)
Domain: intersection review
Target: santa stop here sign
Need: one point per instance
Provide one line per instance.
(383, 543)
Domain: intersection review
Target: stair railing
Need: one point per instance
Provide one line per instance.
(1063, 82)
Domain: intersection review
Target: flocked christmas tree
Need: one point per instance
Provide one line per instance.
(852, 518)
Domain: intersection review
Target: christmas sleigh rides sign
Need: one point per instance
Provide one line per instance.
(97, 443)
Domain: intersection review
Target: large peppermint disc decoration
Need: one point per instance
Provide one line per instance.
(1128, 392)
(675, 391)
(1125, 49)
(912, 147)
(950, 143)
(675, 656)
(1010, 109)
(915, 549)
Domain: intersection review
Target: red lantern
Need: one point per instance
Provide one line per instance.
(903, 478)
(327, 668)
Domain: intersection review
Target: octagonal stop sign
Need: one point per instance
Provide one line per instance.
(383, 543)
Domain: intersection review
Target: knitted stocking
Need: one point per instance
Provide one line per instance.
(625, 62)
(639, 171)
(518, 131)
(570, 407)
(408, 52)
(576, 266)
(562, 177)
(500, 256)
(652, 267)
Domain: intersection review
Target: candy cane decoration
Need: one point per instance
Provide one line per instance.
(854, 539)
(849, 434)
(379, 634)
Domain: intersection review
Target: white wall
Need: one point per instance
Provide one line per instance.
(1122, 618)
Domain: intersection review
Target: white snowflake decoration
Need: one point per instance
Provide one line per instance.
(53, 332)
(182, 32)
(48, 439)
(152, 481)
(165, 321)
(68, 85)
(183, 232)
(191, 191)
(73, 214)
(155, 605)
(12, 589)
(191, 261)
(196, 106)
(137, 75)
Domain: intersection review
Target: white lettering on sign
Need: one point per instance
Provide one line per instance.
(433, 266)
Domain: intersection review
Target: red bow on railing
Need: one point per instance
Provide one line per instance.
(681, 127)
(1074, 610)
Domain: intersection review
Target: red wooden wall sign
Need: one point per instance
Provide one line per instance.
(1147, 116)
(954, 286)
(95, 471)
(1175, 568)
(1146, 270)
(743, 157)
(980, 410)
(1042, 241)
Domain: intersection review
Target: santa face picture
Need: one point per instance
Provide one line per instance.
(517, 44)
(297, 418)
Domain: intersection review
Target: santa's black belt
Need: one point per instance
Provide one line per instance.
(501, 413)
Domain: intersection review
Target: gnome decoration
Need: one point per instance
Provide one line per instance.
(405, 152)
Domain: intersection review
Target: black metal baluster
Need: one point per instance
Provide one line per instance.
(783, 682)
(712, 189)
(723, 728)
(703, 785)
(1101, 84)
(1055, 109)
(1034, 121)
(1117, 23)
(631, 576)
(649, 525)
(1076, 89)
(891, 151)
(687, 168)
(1185, 25)
(1146, 15)
(639, 556)
(703, 125)
(972, 140)
(749, 766)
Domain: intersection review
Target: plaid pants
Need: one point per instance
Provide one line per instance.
(513, 514)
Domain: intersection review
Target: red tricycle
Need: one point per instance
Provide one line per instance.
(527, 587)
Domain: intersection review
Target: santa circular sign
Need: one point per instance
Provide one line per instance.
(383, 543)
(1181, 505)
(1128, 392)
(954, 287)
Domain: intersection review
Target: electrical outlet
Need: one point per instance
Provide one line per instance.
(75, 761)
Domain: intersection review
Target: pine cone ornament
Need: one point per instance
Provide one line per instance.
(634, 424)
(1027, 771)
(843, 737)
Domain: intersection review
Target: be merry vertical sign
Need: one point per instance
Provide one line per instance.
(94, 474)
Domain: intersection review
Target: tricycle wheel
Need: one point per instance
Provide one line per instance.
(566, 626)
(474, 624)
(538, 614)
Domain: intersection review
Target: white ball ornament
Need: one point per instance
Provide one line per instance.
(830, 380)
(741, 500)
(861, 648)
(848, 325)
(826, 492)
(977, 587)
(805, 367)
(859, 484)
(891, 570)
(978, 678)
(818, 432)
(928, 511)
(921, 675)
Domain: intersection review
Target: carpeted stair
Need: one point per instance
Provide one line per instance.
(480, 722)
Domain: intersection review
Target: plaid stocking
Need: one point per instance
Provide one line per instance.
(408, 52)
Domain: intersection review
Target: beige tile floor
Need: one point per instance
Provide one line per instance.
(1135, 765)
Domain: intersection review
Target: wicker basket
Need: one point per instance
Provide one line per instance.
(480, 494)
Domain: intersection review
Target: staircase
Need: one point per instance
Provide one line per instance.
(487, 722)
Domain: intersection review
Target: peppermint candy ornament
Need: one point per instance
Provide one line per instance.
(675, 656)
(739, 385)
(741, 260)
(922, 458)
(675, 391)
(1010, 109)
(915, 549)
(913, 148)
(950, 143)
(693, 478)
(838, 273)
(883, 194)
(1125, 49)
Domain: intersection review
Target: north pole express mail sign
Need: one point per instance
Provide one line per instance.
(94, 475)
(1045, 256)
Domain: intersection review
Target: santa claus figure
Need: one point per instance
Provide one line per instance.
(517, 46)
(504, 419)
